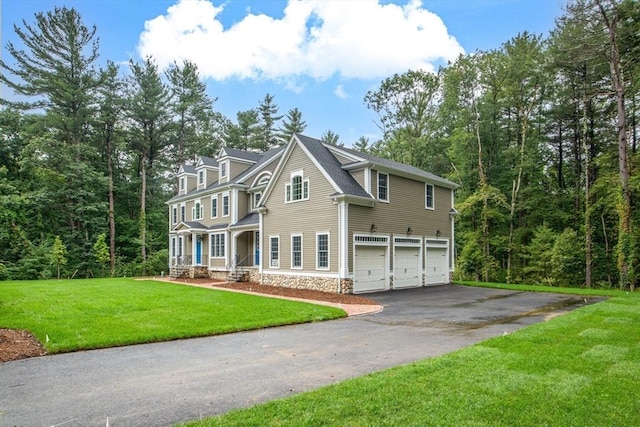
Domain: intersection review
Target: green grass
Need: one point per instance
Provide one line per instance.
(97, 313)
(579, 369)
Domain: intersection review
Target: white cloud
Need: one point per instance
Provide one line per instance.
(340, 92)
(349, 38)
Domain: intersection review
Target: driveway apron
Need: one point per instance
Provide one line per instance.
(163, 383)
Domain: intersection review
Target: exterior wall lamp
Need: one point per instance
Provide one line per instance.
(409, 231)
(373, 228)
(437, 233)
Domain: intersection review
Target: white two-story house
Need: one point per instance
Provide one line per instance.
(312, 215)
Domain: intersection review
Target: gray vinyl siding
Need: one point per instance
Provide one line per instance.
(236, 168)
(318, 214)
(192, 183)
(359, 177)
(342, 159)
(374, 183)
(243, 204)
(406, 208)
(212, 176)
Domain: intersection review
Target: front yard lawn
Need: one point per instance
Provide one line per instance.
(579, 369)
(87, 314)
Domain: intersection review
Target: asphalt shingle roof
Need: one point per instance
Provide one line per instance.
(245, 155)
(250, 219)
(209, 161)
(345, 181)
(399, 166)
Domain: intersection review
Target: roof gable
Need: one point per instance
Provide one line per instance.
(186, 170)
(238, 155)
(204, 161)
(341, 181)
(396, 168)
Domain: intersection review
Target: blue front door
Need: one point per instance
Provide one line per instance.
(198, 250)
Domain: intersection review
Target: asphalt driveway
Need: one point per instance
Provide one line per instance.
(164, 383)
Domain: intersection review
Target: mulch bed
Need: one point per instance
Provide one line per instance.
(297, 293)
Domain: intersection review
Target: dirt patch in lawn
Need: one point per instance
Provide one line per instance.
(17, 344)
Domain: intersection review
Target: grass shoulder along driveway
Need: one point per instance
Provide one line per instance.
(71, 315)
(579, 369)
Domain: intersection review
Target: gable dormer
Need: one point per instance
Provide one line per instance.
(187, 179)
(232, 162)
(207, 172)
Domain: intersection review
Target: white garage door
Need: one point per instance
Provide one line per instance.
(437, 271)
(406, 267)
(369, 269)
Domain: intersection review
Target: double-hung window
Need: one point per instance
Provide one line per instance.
(174, 215)
(383, 186)
(200, 177)
(223, 169)
(296, 251)
(214, 206)
(322, 251)
(225, 204)
(183, 213)
(297, 188)
(428, 196)
(217, 245)
(274, 251)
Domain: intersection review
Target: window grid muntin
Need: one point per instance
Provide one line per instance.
(429, 191)
(218, 245)
(322, 248)
(274, 252)
(383, 186)
(296, 251)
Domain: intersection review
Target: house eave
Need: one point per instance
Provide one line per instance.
(354, 200)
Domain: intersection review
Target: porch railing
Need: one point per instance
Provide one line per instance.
(181, 261)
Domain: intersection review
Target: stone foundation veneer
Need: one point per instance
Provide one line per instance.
(218, 275)
(323, 284)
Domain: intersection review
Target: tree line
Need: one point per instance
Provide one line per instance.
(539, 133)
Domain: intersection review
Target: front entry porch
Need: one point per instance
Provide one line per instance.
(224, 253)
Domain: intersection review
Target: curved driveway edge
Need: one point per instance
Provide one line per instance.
(163, 383)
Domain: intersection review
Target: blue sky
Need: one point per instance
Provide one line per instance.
(319, 56)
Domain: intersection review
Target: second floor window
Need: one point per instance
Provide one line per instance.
(183, 213)
(428, 196)
(214, 206)
(256, 199)
(174, 215)
(383, 186)
(225, 205)
(198, 211)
